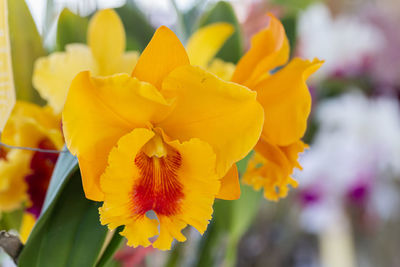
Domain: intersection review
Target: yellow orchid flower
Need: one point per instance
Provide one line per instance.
(165, 139)
(28, 126)
(104, 56)
(284, 96)
(286, 101)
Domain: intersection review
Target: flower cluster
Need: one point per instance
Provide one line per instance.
(161, 133)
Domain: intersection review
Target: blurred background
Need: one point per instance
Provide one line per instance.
(346, 210)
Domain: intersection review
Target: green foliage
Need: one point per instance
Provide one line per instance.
(138, 30)
(26, 47)
(11, 220)
(71, 28)
(68, 232)
(294, 5)
(290, 24)
(112, 247)
(223, 12)
(231, 221)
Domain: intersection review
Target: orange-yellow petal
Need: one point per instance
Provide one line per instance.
(287, 102)
(230, 185)
(98, 111)
(223, 114)
(271, 167)
(204, 44)
(269, 49)
(106, 38)
(179, 187)
(163, 54)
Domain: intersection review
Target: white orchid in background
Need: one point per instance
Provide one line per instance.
(344, 42)
(354, 157)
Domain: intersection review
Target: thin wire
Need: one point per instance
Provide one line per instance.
(33, 149)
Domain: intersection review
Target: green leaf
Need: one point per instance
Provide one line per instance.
(138, 30)
(112, 247)
(26, 47)
(294, 6)
(71, 28)
(68, 232)
(11, 220)
(210, 246)
(290, 24)
(223, 12)
(66, 165)
(235, 217)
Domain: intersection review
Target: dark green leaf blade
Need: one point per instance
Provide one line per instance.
(112, 247)
(66, 165)
(68, 232)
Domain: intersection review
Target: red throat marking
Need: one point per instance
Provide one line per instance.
(3, 153)
(158, 188)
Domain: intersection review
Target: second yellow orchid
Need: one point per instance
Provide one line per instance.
(283, 94)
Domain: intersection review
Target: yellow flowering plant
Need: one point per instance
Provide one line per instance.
(157, 136)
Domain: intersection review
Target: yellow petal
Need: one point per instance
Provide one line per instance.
(135, 183)
(118, 181)
(12, 178)
(28, 221)
(106, 38)
(223, 70)
(223, 114)
(230, 186)
(163, 54)
(170, 228)
(204, 44)
(29, 124)
(127, 62)
(269, 49)
(287, 102)
(53, 74)
(138, 231)
(199, 180)
(98, 111)
(271, 167)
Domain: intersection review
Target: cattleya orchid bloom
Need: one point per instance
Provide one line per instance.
(25, 174)
(283, 94)
(165, 139)
(287, 103)
(104, 56)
